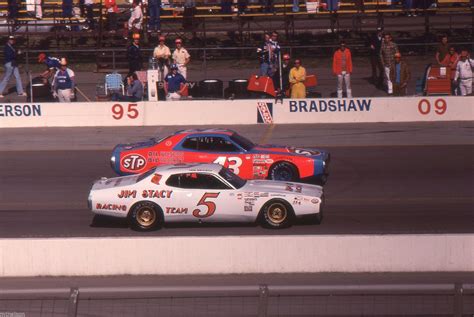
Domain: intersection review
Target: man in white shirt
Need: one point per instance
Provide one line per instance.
(162, 54)
(181, 57)
(464, 73)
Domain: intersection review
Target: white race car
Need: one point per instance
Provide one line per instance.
(203, 193)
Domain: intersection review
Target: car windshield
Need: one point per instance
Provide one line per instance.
(233, 179)
(244, 143)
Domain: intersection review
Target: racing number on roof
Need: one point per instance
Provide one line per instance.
(234, 162)
(211, 206)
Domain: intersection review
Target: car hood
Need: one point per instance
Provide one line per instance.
(105, 183)
(287, 149)
(281, 187)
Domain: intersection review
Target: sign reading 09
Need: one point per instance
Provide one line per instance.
(131, 112)
(440, 106)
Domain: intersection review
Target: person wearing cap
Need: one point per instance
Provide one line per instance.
(181, 57)
(175, 83)
(297, 78)
(134, 55)
(11, 67)
(342, 68)
(52, 64)
(463, 76)
(285, 75)
(399, 75)
(63, 82)
(387, 58)
(162, 54)
(134, 23)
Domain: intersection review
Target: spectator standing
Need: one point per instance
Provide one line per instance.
(342, 68)
(134, 23)
(63, 83)
(296, 6)
(267, 6)
(67, 9)
(242, 6)
(451, 61)
(399, 75)
(52, 65)
(333, 5)
(181, 58)
(174, 84)
(464, 73)
(134, 90)
(162, 54)
(285, 75)
(154, 20)
(189, 13)
(11, 67)
(134, 55)
(13, 10)
(264, 53)
(442, 49)
(387, 58)
(375, 45)
(297, 78)
(89, 12)
(112, 10)
(408, 6)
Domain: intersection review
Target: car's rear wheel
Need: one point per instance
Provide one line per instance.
(283, 171)
(277, 214)
(146, 216)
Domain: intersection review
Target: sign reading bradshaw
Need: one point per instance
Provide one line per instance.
(331, 105)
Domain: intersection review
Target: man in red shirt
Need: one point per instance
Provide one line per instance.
(342, 68)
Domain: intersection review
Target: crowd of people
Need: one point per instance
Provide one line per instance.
(389, 70)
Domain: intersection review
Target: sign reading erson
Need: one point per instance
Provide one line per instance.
(20, 110)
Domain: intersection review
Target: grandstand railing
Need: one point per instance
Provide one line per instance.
(249, 300)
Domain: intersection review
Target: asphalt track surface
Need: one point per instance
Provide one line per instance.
(374, 187)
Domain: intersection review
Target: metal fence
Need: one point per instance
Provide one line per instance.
(254, 300)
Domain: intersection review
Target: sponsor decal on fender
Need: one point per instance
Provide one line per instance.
(133, 162)
(127, 194)
(174, 210)
(113, 207)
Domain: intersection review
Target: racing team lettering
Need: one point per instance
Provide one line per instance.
(174, 210)
(114, 207)
(151, 193)
(133, 162)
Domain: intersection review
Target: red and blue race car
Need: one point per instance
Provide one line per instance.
(225, 147)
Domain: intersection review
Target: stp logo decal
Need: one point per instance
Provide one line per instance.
(133, 162)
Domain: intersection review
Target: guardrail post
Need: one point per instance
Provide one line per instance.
(263, 301)
(73, 301)
(458, 307)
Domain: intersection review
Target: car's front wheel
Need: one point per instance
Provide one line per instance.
(283, 171)
(146, 216)
(277, 214)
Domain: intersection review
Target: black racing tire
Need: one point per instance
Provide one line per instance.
(276, 214)
(146, 216)
(283, 171)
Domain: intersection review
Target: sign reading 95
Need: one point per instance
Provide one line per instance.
(439, 107)
(119, 111)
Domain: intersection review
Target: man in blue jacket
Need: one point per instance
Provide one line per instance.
(11, 67)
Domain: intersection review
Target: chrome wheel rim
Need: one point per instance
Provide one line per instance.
(277, 213)
(146, 217)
